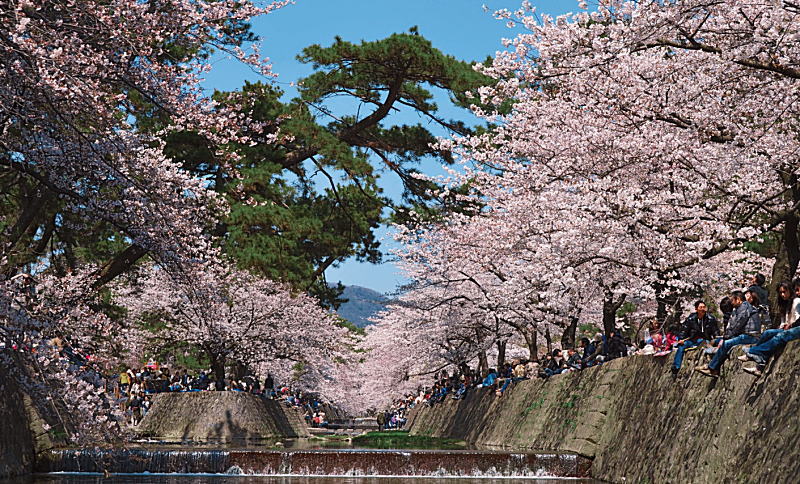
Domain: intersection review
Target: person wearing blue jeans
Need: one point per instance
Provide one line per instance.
(698, 327)
(768, 335)
(680, 349)
(774, 340)
(722, 353)
(762, 352)
(745, 327)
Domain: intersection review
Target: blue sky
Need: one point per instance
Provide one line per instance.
(457, 27)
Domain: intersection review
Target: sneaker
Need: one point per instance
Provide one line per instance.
(753, 370)
(674, 370)
(708, 372)
(745, 357)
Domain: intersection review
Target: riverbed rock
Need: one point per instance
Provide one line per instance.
(219, 417)
(640, 424)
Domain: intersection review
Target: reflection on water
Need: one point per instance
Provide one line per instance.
(314, 443)
(222, 479)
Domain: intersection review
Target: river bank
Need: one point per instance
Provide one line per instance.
(220, 417)
(630, 417)
(639, 424)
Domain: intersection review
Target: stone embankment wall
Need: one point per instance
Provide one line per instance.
(17, 450)
(219, 417)
(640, 424)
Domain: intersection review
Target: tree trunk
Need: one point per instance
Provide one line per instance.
(568, 336)
(533, 346)
(218, 368)
(501, 353)
(483, 362)
(610, 308)
(119, 264)
(786, 260)
(663, 301)
(548, 340)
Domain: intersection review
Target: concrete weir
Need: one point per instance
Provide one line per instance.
(219, 417)
(348, 462)
(639, 424)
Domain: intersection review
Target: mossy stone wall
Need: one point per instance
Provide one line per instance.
(640, 424)
(219, 417)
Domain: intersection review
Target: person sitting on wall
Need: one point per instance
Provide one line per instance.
(745, 328)
(555, 364)
(490, 379)
(786, 315)
(596, 355)
(616, 346)
(699, 327)
(574, 361)
(461, 390)
(774, 340)
(521, 370)
(519, 373)
(588, 350)
(757, 287)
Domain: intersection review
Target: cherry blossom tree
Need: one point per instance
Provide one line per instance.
(232, 316)
(675, 121)
(77, 80)
(638, 150)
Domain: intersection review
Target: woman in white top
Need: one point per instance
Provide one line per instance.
(788, 306)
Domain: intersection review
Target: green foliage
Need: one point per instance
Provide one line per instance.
(573, 400)
(311, 200)
(400, 439)
(767, 245)
(537, 404)
(626, 308)
(587, 330)
(350, 326)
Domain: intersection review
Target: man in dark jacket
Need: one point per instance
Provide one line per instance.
(556, 364)
(588, 349)
(616, 346)
(593, 352)
(574, 361)
(698, 327)
(744, 329)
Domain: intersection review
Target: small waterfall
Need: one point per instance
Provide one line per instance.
(347, 462)
(135, 461)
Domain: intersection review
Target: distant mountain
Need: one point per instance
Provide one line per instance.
(362, 303)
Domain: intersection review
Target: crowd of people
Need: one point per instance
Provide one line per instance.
(134, 390)
(396, 416)
(744, 314)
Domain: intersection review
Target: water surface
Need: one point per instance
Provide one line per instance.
(222, 479)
